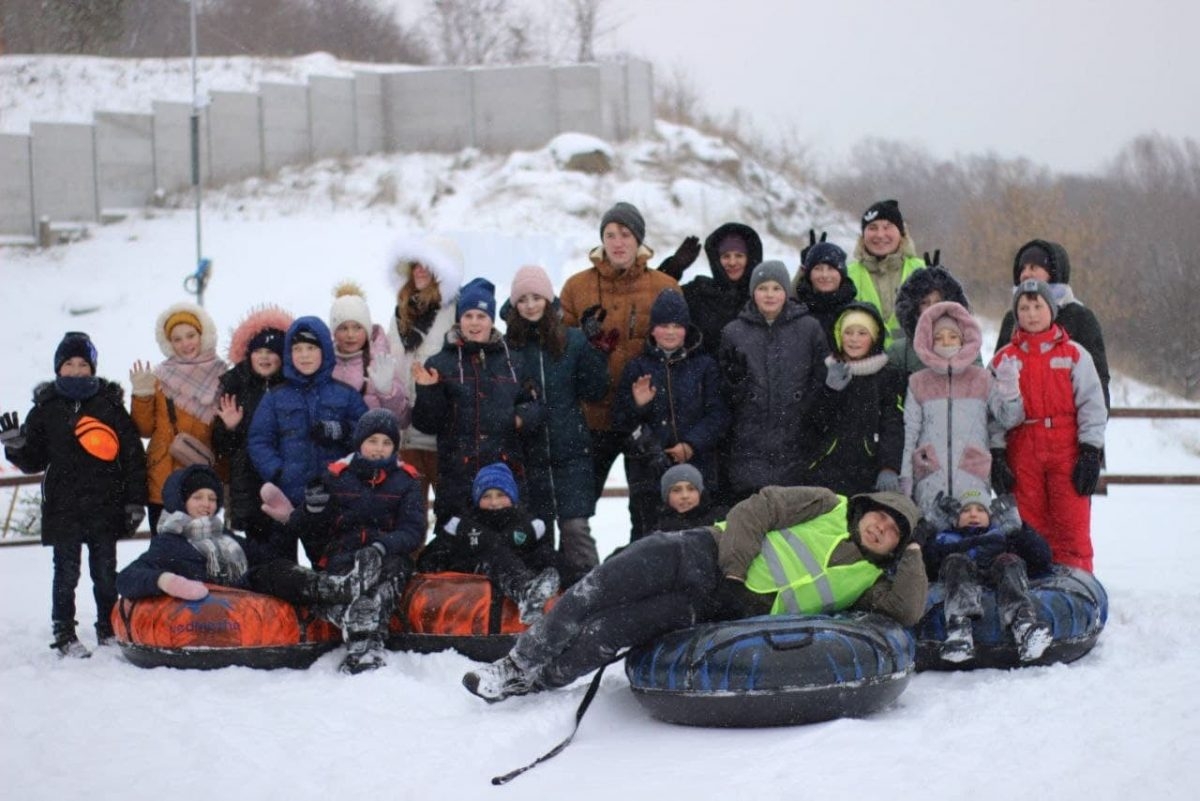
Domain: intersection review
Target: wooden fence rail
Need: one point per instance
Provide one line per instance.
(1106, 479)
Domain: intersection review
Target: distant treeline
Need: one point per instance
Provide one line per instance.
(1132, 233)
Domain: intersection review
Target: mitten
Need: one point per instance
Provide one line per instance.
(383, 374)
(945, 512)
(837, 376)
(316, 497)
(591, 322)
(327, 432)
(10, 431)
(812, 241)
(1086, 475)
(1003, 480)
(887, 481)
(1005, 516)
(1008, 378)
(677, 263)
(922, 532)
(143, 382)
(134, 515)
(275, 504)
(179, 587)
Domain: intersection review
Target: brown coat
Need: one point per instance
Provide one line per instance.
(149, 413)
(627, 297)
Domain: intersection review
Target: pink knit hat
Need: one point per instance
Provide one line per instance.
(531, 280)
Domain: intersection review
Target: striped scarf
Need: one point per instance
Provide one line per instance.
(193, 384)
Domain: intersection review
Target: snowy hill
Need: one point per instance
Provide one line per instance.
(1115, 725)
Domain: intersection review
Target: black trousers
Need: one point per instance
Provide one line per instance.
(102, 564)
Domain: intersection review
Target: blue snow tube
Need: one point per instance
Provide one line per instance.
(774, 670)
(1072, 601)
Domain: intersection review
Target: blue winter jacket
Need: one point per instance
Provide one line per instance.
(280, 444)
(172, 553)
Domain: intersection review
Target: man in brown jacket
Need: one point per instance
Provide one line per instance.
(610, 301)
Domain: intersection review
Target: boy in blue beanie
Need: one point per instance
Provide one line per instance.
(498, 539)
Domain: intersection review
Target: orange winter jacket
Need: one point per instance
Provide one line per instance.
(149, 413)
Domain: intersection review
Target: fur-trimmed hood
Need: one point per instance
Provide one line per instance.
(440, 254)
(208, 329)
(754, 254)
(257, 319)
(932, 279)
(923, 337)
(907, 250)
(1060, 263)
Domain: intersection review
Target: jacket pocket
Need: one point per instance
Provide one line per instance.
(925, 462)
(976, 462)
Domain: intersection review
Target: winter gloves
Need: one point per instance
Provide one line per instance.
(945, 513)
(887, 481)
(10, 431)
(812, 242)
(316, 497)
(837, 376)
(179, 587)
(675, 264)
(1003, 480)
(591, 322)
(1086, 475)
(275, 504)
(134, 515)
(327, 432)
(1008, 378)
(383, 374)
(142, 379)
(1005, 516)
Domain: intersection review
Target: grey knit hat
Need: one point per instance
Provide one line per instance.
(627, 215)
(770, 271)
(1032, 286)
(680, 472)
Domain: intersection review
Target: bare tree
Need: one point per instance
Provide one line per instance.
(475, 31)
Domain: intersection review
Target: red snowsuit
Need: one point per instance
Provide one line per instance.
(1064, 406)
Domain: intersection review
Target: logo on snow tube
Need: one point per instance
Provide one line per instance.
(97, 438)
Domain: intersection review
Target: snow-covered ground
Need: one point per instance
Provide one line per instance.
(1120, 723)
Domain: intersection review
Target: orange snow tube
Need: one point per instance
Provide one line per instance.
(228, 627)
(463, 611)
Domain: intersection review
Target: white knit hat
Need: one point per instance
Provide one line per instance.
(349, 304)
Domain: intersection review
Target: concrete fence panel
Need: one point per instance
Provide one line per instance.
(639, 85)
(235, 146)
(368, 113)
(16, 186)
(331, 116)
(428, 110)
(64, 171)
(515, 108)
(124, 159)
(614, 108)
(580, 100)
(173, 146)
(285, 134)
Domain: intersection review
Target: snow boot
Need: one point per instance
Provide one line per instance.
(1032, 636)
(66, 643)
(363, 653)
(959, 645)
(105, 634)
(531, 603)
(499, 680)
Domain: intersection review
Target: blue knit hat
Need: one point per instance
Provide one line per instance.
(825, 253)
(75, 343)
(478, 294)
(495, 476)
(669, 307)
(377, 421)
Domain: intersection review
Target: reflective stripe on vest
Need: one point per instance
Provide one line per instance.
(794, 564)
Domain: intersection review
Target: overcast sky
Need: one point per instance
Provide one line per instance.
(1063, 82)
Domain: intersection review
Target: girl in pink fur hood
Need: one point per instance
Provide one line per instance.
(948, 410)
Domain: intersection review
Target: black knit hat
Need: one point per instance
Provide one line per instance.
(269, 338)
(182, 483)
(669, 307)
(884, 210)
(377, 421)
(75, 343)
(627, 215)
(825, 253)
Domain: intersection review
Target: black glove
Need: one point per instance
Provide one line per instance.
(1005, 516)
(316, 497)
(591, 322)
(812, 240)
(675, 264)
(10, 428)
(134, 515)
(923, 532)
(837, 377)
(1003, 480)
(327, 432)
(1086, 475)
(733, 601)
(735, 366)
(945, 513)
(935, 260)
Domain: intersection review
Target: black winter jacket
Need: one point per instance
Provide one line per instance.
(244, 482)
(478, 534)
(715, 302)
(827, 307)
(908, 310)
(83, 496)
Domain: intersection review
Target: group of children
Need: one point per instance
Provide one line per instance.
(322, 433)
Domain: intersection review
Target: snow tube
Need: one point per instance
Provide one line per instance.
(775, 670)
(1072, 601)
(463, 611)
(227, 627)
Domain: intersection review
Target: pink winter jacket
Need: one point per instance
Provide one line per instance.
(349, 370)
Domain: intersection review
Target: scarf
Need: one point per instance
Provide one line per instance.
(193, 384)
(225, 561)
(77, 388)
